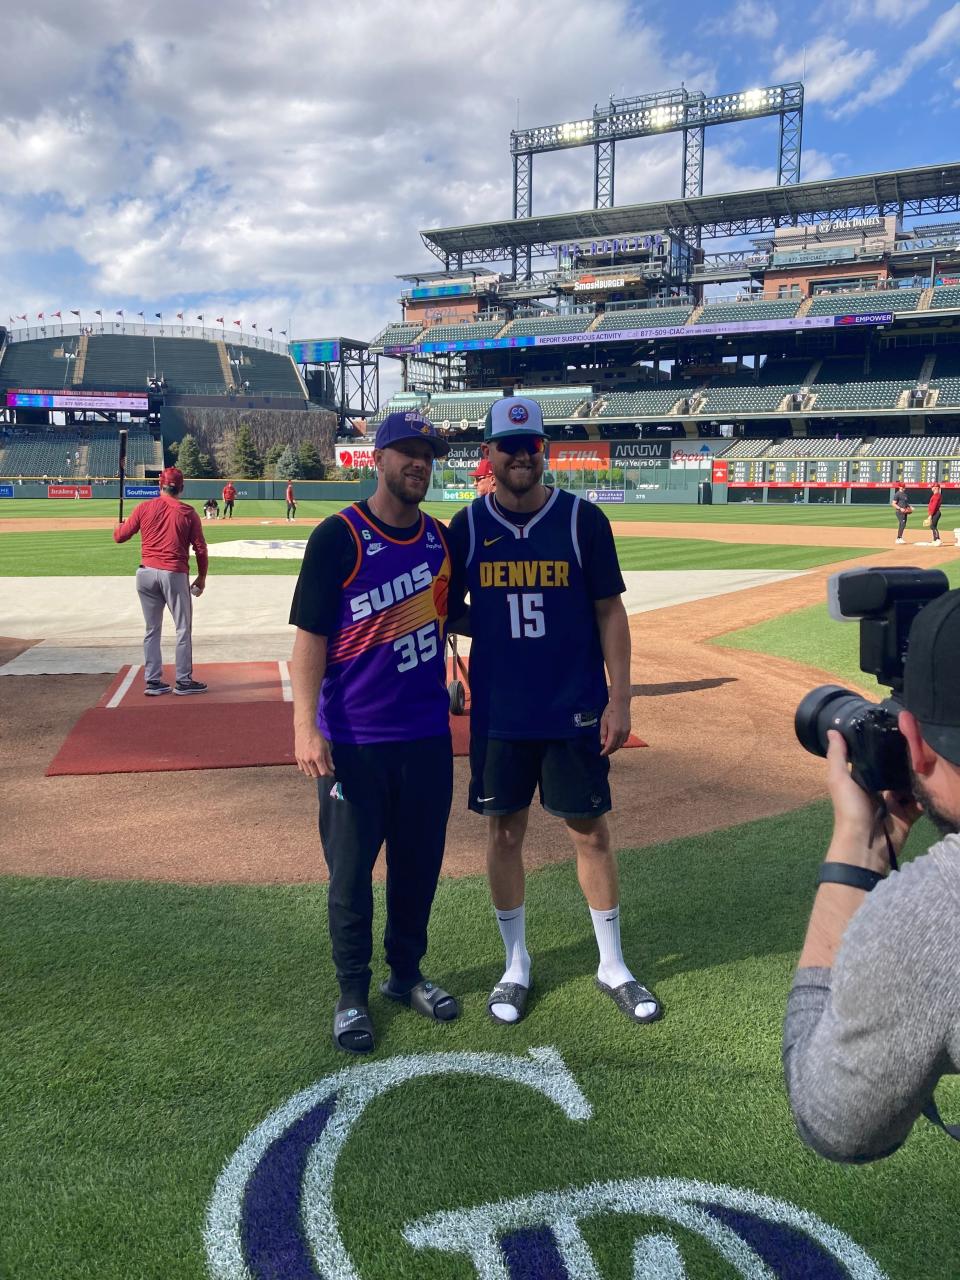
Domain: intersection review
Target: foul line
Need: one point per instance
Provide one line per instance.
(125, 684)
(285, 685)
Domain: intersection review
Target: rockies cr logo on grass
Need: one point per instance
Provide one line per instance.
(272, 1215)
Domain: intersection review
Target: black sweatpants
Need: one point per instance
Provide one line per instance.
(393, 793)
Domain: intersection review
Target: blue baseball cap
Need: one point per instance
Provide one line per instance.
(513, 416)
(397, 427)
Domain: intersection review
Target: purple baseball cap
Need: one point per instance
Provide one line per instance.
(397, 427)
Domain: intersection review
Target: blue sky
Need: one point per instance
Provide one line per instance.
(274, 161)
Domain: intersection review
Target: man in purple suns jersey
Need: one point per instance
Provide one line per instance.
(371, 721)
(547, 625)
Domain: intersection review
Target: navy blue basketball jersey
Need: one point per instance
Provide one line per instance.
(536, 666)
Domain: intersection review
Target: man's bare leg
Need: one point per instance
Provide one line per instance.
(505, 834)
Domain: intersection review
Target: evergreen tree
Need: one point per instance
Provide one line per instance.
(189, 458)
(246, 461)
(311, 467)
(288, 465)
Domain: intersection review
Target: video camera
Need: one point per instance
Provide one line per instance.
(886, 602)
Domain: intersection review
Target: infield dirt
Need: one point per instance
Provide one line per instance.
(719, 724)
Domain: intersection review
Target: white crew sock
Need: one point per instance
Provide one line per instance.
(513, 929)
(612, 970)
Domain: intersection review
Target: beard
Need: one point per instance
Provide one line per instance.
(946, 825)
(408, 489)
(521, 480)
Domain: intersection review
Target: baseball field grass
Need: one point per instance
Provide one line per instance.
(65, 553)
(148, 1028)
(812, 637)
(863, 516)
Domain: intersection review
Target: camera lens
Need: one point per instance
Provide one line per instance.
(826, 707)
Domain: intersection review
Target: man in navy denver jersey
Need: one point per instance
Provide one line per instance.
(371, 720)
(545, 616)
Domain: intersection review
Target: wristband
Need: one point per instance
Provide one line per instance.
(849, 874)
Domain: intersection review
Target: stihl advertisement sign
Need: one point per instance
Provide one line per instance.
(588, 456)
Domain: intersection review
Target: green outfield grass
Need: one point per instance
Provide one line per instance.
(811, 636)
(877, 516)
(93, 553)
(148, 1028)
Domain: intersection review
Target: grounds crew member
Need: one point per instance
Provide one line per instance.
(291, 502)
(545, 616)
(168, 528)
(229, 498)
(371, 720)
(873, 1020)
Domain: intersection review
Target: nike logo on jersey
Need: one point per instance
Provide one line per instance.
(488, 542)
(485, 799)
(374, 547)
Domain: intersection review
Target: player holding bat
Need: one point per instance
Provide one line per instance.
(168, 528)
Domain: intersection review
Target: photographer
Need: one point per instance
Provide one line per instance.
(873, 1019)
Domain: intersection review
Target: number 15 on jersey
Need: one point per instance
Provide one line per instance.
(526, 615)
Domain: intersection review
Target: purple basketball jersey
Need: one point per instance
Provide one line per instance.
(386, 673)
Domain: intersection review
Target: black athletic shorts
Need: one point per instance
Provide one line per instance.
(571, 774)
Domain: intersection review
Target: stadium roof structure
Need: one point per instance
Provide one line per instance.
(914, 192)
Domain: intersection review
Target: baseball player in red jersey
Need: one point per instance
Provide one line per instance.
(291, 502)
(229, 497)
(168, 528)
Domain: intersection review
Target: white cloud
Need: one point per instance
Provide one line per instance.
(942, 35)
(828, 66)
(893, 12)
(288, 151)
(753, 18)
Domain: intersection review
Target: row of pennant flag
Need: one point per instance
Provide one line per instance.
(58, 315)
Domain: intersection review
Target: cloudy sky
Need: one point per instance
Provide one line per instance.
(275, 161)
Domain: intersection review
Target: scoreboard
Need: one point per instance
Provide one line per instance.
(751, 473)
(872, 473)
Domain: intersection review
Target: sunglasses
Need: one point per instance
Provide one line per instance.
(520, 444)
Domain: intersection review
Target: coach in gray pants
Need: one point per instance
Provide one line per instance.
(168, 528)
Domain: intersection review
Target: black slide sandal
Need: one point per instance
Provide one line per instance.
(352, 1029)
(427, 999)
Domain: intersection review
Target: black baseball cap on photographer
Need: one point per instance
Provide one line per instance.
(931, 684)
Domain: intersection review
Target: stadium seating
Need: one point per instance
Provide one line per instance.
(812, 448)
(142, 451)
(644, 318)
(650, 402)
(125, 362)
(842, 304)
(265, 372)
(454, 408)
(396, 335)
(745, 450)
(914, 447)
(841, 384)
(537, 326)
(944, 296)
(402, 402)
(461, 332)
(946, 378)
(760, 309)
(43, 452)
(558, 405)
(46, 363)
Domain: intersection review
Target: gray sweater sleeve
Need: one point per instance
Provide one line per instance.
(865, 1043)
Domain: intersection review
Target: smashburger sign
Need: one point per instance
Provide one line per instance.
(355, 455)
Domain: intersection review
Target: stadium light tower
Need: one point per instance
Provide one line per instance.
(670, 111)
